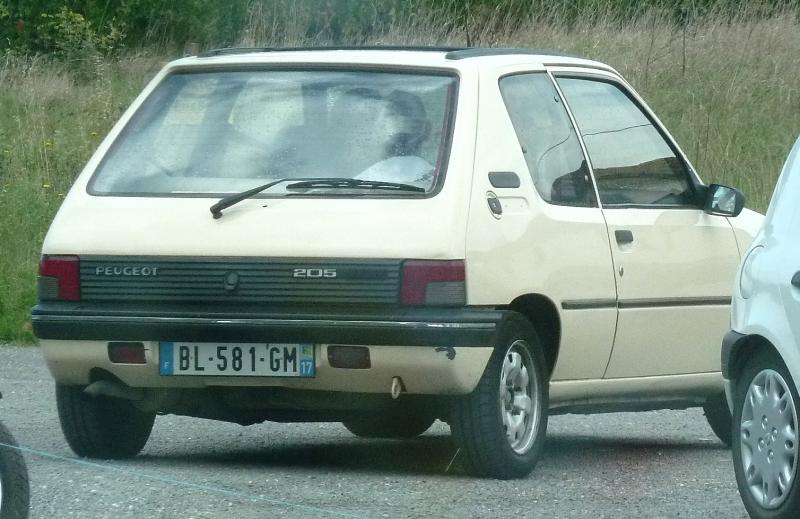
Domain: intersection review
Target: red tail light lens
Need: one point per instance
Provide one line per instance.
(434, 283)
(59, 278)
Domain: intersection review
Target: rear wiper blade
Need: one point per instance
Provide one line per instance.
(224, 203)
(307, 183)
(353, 183)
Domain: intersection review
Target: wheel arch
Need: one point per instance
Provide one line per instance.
(543, 315)
(744, 348)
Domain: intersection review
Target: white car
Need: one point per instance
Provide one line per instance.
(761, 358)
(384, 237)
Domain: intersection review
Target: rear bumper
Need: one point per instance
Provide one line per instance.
(451, 327)
(433, 351)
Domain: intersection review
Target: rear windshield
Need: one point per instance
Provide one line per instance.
(221, 132)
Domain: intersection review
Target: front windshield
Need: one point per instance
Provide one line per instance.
(220, 132)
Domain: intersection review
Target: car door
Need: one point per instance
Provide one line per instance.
(674, 264)
(547, 240)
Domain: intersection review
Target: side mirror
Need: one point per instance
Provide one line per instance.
(723, 201)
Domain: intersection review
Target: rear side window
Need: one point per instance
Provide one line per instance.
(633, 164)
(225, 131)
(548, 140)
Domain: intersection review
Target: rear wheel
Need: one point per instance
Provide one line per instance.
(390, 425)
(102, 427)
(719, 417)
(765, 443)
(500, 427)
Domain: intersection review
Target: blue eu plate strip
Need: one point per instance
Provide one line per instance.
(166, 365)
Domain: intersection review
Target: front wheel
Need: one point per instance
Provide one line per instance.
(102, 427)
(500, 427)
(14, 488)
(765, 439)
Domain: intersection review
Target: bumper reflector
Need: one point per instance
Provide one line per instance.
(126, 352)
(350, 357)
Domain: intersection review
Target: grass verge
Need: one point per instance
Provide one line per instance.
(726, 87)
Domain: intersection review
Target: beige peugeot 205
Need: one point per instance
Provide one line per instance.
(384, 237)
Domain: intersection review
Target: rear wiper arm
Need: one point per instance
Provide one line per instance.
(306, 183)
(224, 203)
(353, 183)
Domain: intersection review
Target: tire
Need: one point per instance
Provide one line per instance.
(390, 425)
(101, 427)
(755, 438)
(719, 417)
(14, 490)
(479, 419)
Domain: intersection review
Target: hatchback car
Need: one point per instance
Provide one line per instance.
(761, 358)
(384, 237)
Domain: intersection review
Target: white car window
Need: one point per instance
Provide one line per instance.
(225, 132)
(633, 164)
(548, 140)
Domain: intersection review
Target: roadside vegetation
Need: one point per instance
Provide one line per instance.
(723, 77)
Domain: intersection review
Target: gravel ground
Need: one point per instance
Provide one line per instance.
(626, 465)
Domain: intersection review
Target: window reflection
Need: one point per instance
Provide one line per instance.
(632, 162)
(551, 148)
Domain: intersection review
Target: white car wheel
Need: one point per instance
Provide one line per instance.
(765, 448)
(500, 426)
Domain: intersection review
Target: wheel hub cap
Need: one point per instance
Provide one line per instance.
(768, 435)
(519, 401)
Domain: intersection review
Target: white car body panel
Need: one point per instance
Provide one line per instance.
(537, 248)
(765, 303)
(662, 263)
(562, 253)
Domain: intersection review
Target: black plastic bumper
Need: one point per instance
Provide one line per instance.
(456, 327)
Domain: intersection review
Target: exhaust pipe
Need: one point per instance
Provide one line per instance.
(114, 390)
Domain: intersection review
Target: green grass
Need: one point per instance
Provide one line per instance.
(49, 127)
(727, 89)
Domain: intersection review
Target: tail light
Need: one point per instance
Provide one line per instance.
(59, 278)
(126, 353)
(433, 283)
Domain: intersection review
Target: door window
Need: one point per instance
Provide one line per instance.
(633, 164)
(548, 140)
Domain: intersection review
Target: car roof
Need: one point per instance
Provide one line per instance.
(438, 57)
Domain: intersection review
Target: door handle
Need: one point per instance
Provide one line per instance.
(796, 279)
(623, 236)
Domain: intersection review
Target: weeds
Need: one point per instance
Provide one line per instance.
(49, 126)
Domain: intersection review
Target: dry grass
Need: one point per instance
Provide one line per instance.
(728, 89)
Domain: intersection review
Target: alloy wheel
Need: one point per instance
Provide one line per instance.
(519, 400)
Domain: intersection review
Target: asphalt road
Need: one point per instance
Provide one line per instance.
(626, 465)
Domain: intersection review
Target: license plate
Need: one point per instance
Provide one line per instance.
(248, 360)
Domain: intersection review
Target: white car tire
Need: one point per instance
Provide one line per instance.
(102, 427)
(500, 427)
